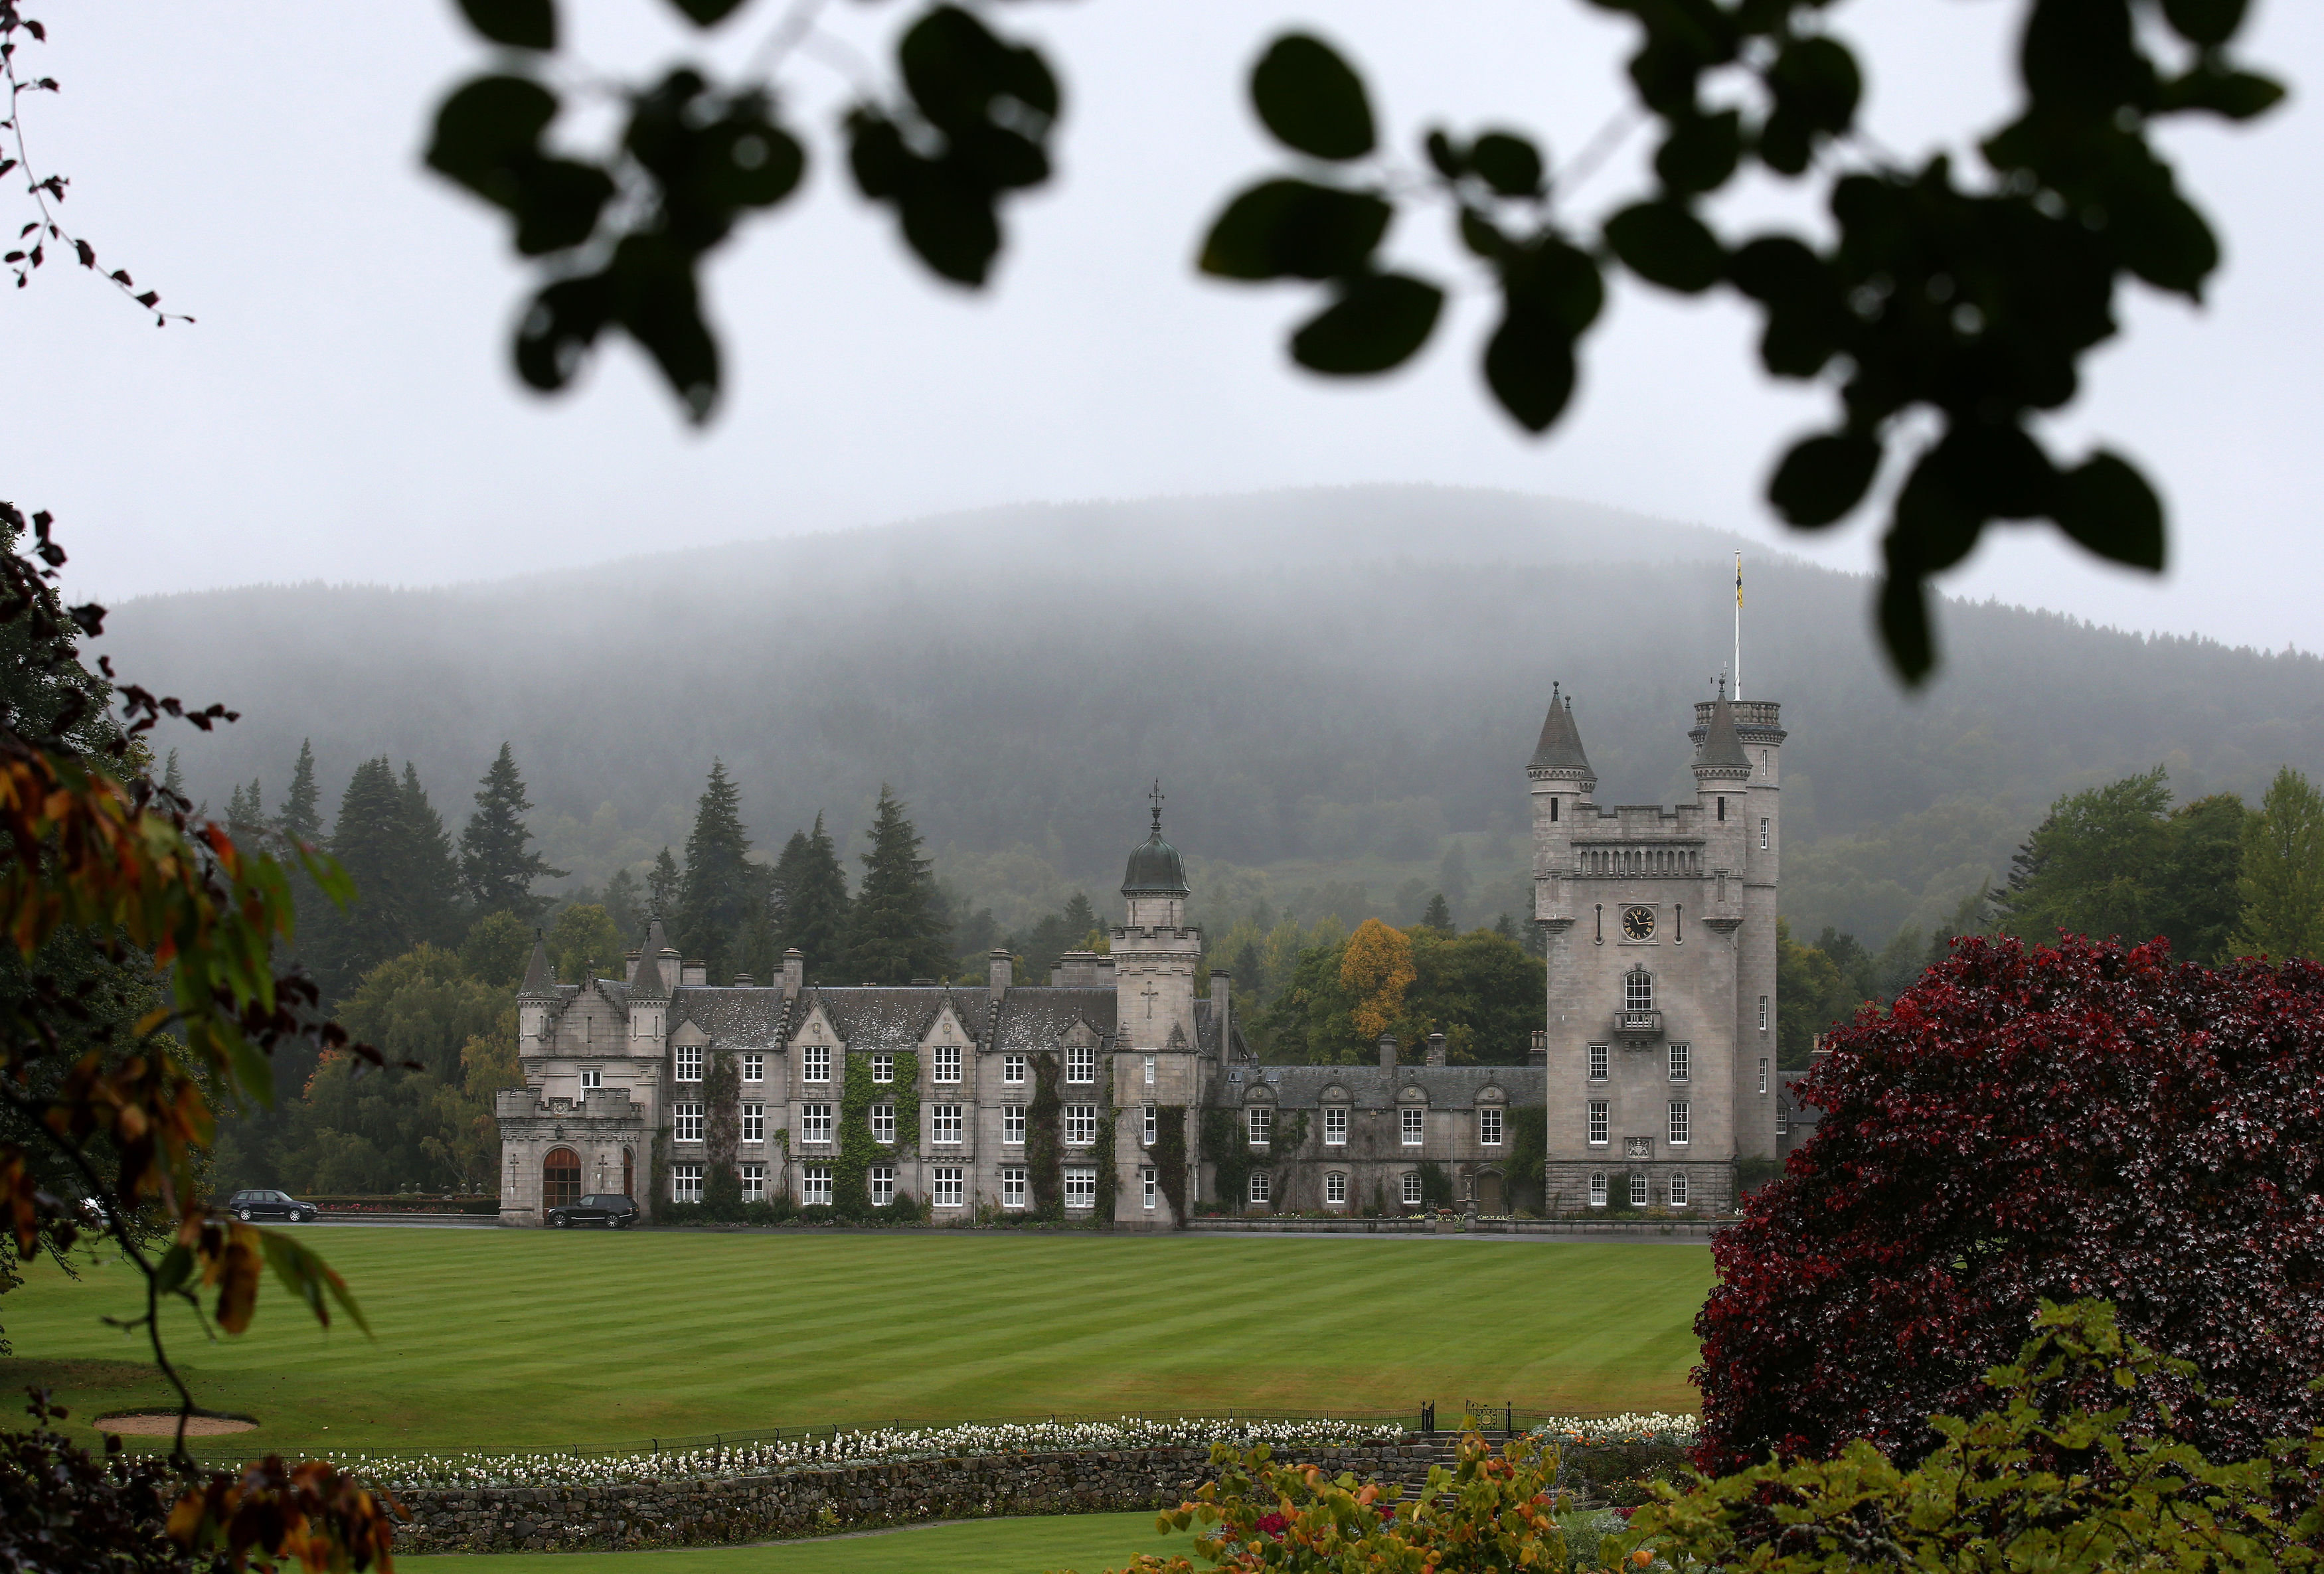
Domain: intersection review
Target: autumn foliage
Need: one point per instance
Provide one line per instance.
(2026, 1124)
(1376, 969)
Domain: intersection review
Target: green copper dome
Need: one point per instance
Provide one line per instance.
(1154, 869)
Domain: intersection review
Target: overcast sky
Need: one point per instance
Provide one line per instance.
(343, 410)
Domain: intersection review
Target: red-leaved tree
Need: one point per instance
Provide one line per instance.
(2083, 1120)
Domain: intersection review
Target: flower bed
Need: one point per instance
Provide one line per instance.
(884, 1446)
(1648, 1427)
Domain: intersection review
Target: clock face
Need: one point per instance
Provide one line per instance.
(1638, 922)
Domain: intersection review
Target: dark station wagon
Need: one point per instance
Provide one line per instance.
(609, 1209)
(249, 1205)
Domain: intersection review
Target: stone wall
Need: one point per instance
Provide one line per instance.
(822, 1502)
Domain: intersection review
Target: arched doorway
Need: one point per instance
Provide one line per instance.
(560, 1178)
(628, 1173)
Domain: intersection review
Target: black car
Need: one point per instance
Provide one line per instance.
(249, 1205)
(608, 1208)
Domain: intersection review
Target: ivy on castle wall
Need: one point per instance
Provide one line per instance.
(850, 1190)
(1045, 1140)
(1108, 1176)
(1225, 1146)
(721, 1182)
(1169, 1158)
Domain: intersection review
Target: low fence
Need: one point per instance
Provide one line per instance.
(404, 1202)
(1577, 1229)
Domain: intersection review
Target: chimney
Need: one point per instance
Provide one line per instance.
(1538, 1055)
(1816, 1051)
(1388, 1052)
(794, 970)
(629, 967)
(1436, 1049)
(1058, 974)
(1221, 1002)
(694, 970)
(667, 963)
(745, 981)
(1000, 969)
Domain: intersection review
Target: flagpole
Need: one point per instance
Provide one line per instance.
(1738, 625)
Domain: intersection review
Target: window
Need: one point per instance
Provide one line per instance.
(1411, 1189)
(1335, 1125)
(1335, 1188)
(754, 1183)
(561, 1180)
(1598, 1189)
(1146, 1129)
(686, 1183)
(1412, 1115)
(949, 1189)
(1080, 1064)
(1762, 833)
(1012, 1068)
(1150, 1071)
(689, 1063)
(944, 1123)
(1262, 1186)
(1597, 1122)
(815, 1063)
(686, 1122)
(1678, 1190)
(1080, 1124)
(1763, 1013)
(947, 1064)
(1679, 1056)
(1637, 1189)
(1012, 1185)
(591, 1077)
(1013, 1123)
(754, 1068)
(1782, 1119)
(815, 1123)
(1638, 991)
(1678, 1122)
(1262, 1124)
(754, 1123)
(1489, 1128)
(883, 1067)
(1081, 1187)
(882, 1181)
(1763, 1076)
(1146, 1184)
(815, 1185)
(1722, 808)
(883, 1123)
(1553, 811)
(1598, 1059)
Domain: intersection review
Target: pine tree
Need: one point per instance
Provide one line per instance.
(302, 806)
(661, 887)
(901, 928)
(496, 872)
(173, 781)
(427, 866)
(720, 887)
(367, 839)
(2282, 884)
(1438, 916)
(625, 904)
(810, 899)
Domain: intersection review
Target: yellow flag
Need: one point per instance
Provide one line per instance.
(1738, 579)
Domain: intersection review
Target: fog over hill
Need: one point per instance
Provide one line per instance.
(1335, 679)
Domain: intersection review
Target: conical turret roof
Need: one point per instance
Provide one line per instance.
(1560, 749)
(1721, 748)
(648, 985)
(539, 978)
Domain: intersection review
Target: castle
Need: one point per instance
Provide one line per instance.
(1114, 1089)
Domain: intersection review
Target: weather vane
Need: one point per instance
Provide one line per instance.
(1155, 798)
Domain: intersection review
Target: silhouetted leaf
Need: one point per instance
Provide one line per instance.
(1444, 154)
(2107, 506)
(1664, 244)
(483, 126)
(1529, 366)
(1806, 319)
(1823, 477)
(1904, 625)
(654, 298)
(558, 203)
(706, 13)
(526, 24)
(558, 328)
(1296, 229)
(2231, 95)
(1508, 163)
(315, 1283)
(2204, 22)
(1816, 78)
(956, 68)
(1310, 99)
(1377, 322)
(1700, 151)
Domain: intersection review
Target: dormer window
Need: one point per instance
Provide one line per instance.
(689, 1063)
(815, 1062)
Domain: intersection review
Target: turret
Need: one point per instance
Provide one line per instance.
(537, 1000)
(1722, 774)
(649, 995)
(1562, 783)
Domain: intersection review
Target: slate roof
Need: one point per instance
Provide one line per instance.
(1721, 748)
(1036, 1016)
(647, 984)
(893, 1016)
(539, 979)
(1371, 1088)
(736, 1018)
(1560, 749)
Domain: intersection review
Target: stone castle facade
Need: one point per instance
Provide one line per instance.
(1117, 1085)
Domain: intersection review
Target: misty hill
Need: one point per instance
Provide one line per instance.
(1333, 684)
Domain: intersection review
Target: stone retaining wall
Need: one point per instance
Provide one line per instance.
(821, 1502)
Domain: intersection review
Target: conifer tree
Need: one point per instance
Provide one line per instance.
(173, 781)
(302, 806)
(427, 868)
(367, 839)
(2282, 884)
(810, 899)
(496, 872)
(901, 928)
(1437, 915)
(720, 887)
(625, 904)
(661, 887)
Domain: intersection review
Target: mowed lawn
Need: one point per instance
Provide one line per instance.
(1088, 1544)
(531, 1338)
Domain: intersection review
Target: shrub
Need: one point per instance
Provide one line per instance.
(60, 1508)
(2045, 1482)
(2029, 1124)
